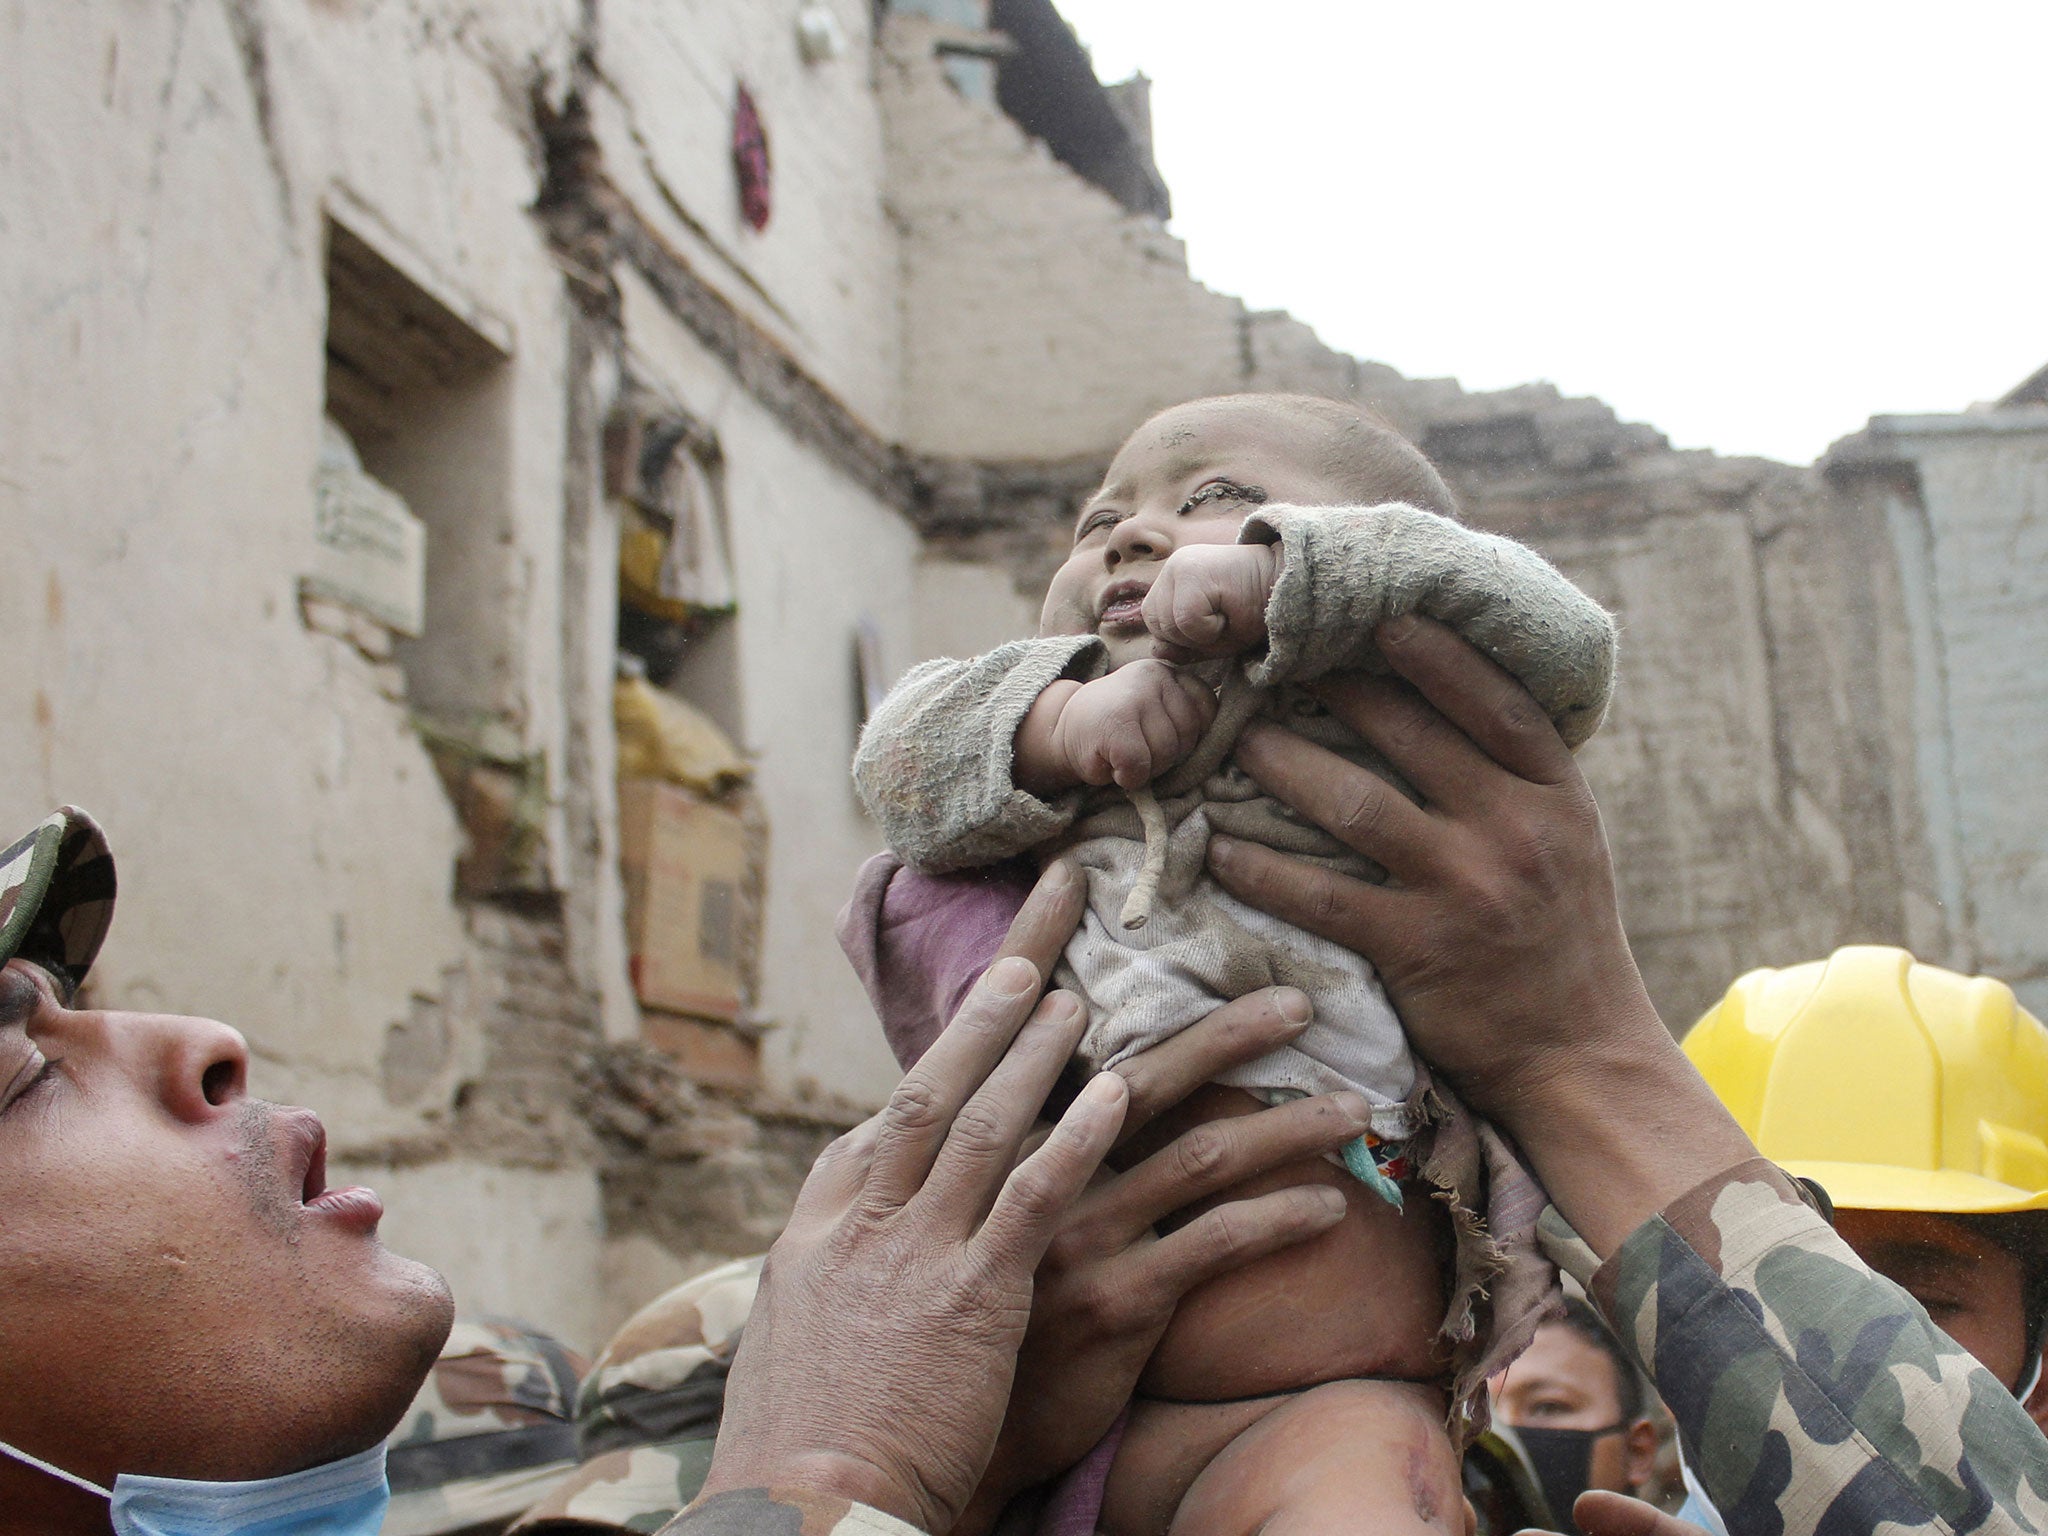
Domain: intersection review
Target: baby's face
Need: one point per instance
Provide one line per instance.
(1190, 475)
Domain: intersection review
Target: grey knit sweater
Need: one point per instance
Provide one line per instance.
(934, 765)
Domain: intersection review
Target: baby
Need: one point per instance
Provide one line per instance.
(1239, 549)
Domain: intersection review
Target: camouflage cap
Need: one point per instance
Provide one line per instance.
(648, 1412)
(492, 1429)
(57, 894)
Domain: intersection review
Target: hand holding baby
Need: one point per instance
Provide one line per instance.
(1126, 728)
(1210, 600)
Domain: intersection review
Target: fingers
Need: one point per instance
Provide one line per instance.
(1406, 729)
(1040, 1189)
(919, 1114)
(836, 1176)
(1162, 738)
(1220, 1153)
(1233, 1235)
(1130, 759)
(1345, 911)
(1049, 916)
(1200, 701)
(1601, 1513)
(981, 1145)
(1190, 705)
(1478, 697)
(1210, 600)
(1234, 1034)
(1354, 805)
(1185, 613)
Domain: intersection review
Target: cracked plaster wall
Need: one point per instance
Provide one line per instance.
(814, 554)
(1040, 319)
(286, 851)
(1786, 735)
(823, 278)
(1974, 540)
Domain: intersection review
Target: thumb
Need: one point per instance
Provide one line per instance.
(1600, 1513)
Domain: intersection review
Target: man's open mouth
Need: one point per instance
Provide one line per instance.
(353, 1205)
(1123, 604)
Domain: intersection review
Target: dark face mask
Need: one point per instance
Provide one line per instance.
(1562, 1460)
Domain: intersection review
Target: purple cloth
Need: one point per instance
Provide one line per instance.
(919, 941)
(1075, 1503)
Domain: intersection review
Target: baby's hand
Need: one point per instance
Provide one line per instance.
(1210, 600)
(1126, 728)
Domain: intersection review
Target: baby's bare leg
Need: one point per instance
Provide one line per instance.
(1353, 1458)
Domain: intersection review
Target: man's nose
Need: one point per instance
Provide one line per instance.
(195, 1067)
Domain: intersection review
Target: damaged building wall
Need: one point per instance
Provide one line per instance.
(1964, 501)
(1758, 772)
(815, 554)
(307, 778)
(1041, 319)
(474, 235)
(287, 849)
(822, 279)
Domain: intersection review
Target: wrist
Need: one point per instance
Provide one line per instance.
(1619, 1128)
(1269, 569)
(1039, 765)
(822, 1474)
(1267, 563)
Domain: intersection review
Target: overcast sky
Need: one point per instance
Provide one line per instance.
(1752, 225)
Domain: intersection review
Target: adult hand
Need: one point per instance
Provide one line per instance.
(1109, 1285)
(1497, 934)
(877, 1361)
(1601, 1513)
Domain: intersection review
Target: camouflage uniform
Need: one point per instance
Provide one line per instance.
(1810, 1394)
(491, 1430)
(648, 1412)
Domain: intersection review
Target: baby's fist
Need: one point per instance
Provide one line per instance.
(1133, 725)
(1210, 600)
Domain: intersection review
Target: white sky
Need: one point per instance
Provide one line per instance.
(1753, 225)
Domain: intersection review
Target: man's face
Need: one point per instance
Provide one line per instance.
(1564, 1381)
(1973, 1289)
(182, 1296)
(1190, 475)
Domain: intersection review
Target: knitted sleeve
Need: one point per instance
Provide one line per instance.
(934, 766)
(1345, 570)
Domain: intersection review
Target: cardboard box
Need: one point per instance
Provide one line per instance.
(720, 1055)
(685, 863)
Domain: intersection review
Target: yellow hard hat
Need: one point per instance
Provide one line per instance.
(1898, 1086)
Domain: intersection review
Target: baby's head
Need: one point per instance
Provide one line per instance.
(1192, 474)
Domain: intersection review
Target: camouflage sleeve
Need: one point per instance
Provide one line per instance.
(1810, 1394)
(783, 1512)
(934, 764)
(1346, 570)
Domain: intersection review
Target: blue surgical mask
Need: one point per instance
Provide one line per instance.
(337, 1498)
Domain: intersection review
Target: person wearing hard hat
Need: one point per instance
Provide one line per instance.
(1917, 1100)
